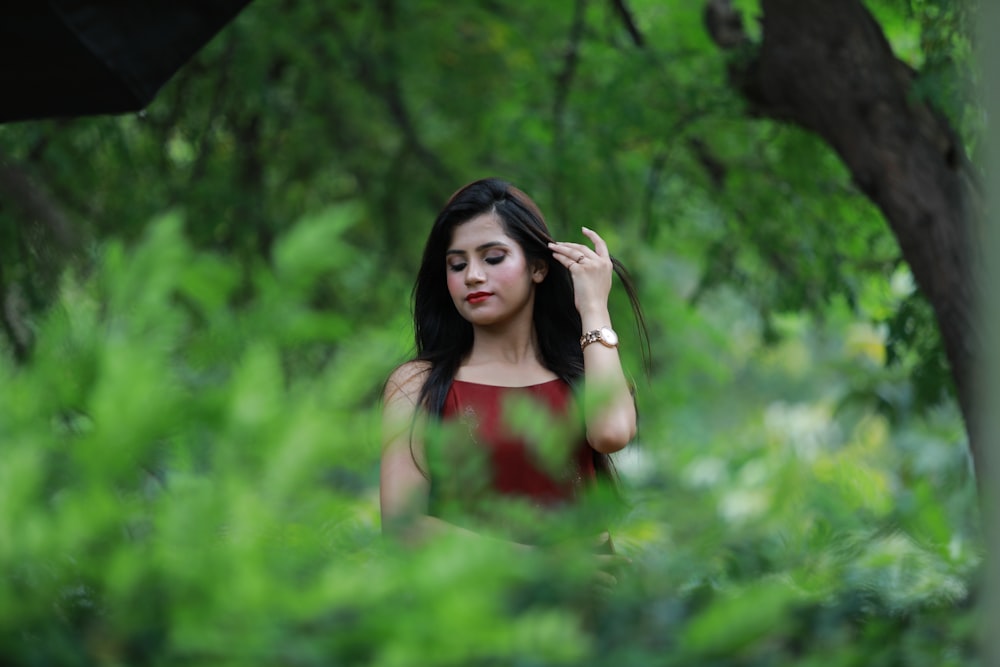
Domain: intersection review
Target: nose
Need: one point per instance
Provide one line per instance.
(474, 273)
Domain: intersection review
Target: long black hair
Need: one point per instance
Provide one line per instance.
(444, 337)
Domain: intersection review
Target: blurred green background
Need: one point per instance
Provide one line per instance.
(197, 330)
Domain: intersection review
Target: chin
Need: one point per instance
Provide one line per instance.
(482, 320)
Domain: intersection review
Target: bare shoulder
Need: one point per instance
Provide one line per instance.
(406, 381)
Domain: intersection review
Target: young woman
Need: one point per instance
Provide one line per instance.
(502, 313)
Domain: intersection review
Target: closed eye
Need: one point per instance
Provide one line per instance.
(495, 260)
(456, 267)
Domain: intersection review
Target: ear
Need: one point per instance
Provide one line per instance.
(539, 270)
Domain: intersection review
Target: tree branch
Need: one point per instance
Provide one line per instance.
(724, 24)
(563, 83)
(625, 14)
(827, 67)
(564, 79)
(389, 90)
(38, 206)
(12, 319)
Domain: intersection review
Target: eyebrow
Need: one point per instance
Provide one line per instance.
(485, 246)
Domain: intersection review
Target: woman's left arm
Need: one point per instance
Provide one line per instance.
(609, 407)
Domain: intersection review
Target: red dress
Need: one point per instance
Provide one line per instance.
(545, 474)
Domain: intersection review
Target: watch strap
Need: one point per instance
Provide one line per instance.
(595, 336)
(590, 337)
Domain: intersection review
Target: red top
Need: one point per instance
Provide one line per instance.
(544, 473)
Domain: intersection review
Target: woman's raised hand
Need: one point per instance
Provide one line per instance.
(590, 268)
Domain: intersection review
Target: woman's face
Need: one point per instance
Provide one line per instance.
(489, 278)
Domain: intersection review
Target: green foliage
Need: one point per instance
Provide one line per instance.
(936, 38)
(187, 480)
(189, 465)
(389, 108)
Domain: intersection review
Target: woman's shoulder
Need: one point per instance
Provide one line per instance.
(406, 381)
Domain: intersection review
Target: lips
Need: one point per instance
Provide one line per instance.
(478, 297)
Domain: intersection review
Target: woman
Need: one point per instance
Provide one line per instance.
(501, 311)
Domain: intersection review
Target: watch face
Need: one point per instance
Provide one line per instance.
(609, 337)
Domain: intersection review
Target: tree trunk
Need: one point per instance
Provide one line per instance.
(826, 66)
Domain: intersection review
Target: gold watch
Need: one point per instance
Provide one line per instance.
(606, 336)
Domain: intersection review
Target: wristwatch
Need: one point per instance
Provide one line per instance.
(606, 336)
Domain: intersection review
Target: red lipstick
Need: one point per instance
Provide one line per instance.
(478, 297)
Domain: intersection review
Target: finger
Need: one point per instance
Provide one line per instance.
(576, 251)
(600, 247)
(570, 247)
(564, 259)
(568, 255)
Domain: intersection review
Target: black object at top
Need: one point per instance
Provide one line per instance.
(64, 58)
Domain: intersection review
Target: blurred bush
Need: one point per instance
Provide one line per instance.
(189, 471)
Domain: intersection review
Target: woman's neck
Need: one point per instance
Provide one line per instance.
(491, 347)
(504, 355)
